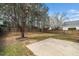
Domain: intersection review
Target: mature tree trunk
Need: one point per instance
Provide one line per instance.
(22, 32)
(22, 29)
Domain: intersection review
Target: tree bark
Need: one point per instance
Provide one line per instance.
(22, 31)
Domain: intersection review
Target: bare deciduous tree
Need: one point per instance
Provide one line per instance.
(17, 15)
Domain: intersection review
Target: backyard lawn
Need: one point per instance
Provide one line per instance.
(11, 45)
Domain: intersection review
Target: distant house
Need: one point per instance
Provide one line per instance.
(1, 21)
(1, 28)
(3, 25)
(71, 25)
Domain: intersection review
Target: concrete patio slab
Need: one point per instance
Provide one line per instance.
(54, 47)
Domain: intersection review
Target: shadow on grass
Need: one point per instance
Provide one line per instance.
(22, 39)
(17, 48)
(2, 42)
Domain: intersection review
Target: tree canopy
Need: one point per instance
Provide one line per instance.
(23, 15)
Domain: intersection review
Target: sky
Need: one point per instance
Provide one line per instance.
(71, 9)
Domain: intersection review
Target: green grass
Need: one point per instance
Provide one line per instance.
(16, 49)
(57, 36)
(64, 37)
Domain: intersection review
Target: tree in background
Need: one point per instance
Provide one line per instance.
(19, 15)
(57, 20)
